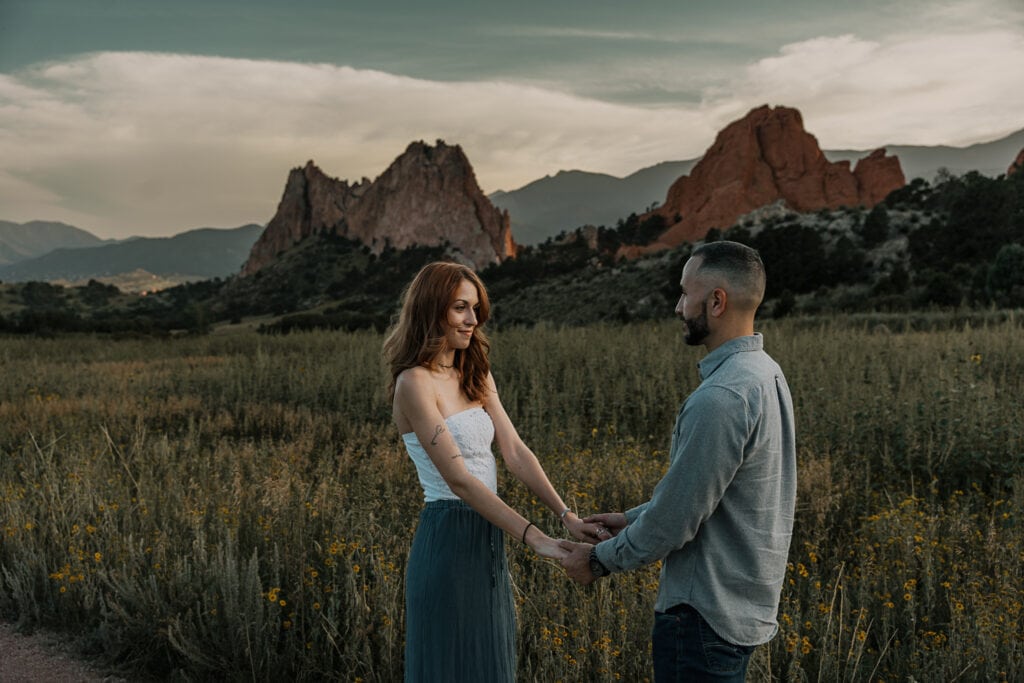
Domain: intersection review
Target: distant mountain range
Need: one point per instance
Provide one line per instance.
(196, 254)
(21, 241)
(569, 199)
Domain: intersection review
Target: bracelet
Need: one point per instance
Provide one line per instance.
(527, 529)
(563, 514)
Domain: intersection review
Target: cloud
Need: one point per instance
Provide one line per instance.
(572, 32)
(957, 87)
(142, 143)
(156, 143)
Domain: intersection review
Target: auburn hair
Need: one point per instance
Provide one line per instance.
(418, 335)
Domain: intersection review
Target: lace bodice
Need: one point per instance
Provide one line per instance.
(473, 431)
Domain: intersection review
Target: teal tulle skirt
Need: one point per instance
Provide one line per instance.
(459, 614)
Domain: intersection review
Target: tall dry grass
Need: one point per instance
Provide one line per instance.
(239, 507)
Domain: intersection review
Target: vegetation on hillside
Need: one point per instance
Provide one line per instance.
(958, 242)
(44, 309)
(327, 282)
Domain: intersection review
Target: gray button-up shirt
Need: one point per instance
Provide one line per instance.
(722, 516)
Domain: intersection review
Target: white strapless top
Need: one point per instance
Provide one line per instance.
(473, 432)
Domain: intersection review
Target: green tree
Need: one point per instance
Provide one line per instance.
(794, 258)
(43, 295)
(96, 294)
(1006, 276)
(939, 288)
(981, 215)
(784, 305)
(845, 263)
(875, 229)
(895, 282)
(917, 194)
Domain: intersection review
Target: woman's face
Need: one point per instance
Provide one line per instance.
(462, 316)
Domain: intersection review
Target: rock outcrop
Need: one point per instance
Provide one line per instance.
(762, 158)
(877, 175)
(1017, 165)
(428, 196)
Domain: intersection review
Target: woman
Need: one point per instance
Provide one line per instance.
(459, 611)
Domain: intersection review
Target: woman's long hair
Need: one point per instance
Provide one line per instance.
(418, 335)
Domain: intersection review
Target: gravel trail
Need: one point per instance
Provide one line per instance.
(41, 657)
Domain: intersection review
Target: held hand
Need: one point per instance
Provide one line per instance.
(614, 522)
(586, 531)
(577, 562)
(544, 545)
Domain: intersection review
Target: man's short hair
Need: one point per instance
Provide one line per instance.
(738, 265)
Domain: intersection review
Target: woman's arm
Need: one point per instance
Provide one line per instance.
(523, 464)
(415, 400)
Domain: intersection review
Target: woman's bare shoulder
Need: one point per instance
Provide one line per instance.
(412, 380)
(413, 374)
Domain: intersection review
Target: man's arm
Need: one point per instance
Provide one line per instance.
(707, 450)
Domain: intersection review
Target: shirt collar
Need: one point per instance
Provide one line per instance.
(713, 360)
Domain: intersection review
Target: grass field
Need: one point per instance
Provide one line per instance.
(239, 506)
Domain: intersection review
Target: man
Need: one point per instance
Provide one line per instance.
(722, 517)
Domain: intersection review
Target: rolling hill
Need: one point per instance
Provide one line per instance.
(199, 254)
(22, 241)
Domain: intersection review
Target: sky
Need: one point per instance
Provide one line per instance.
(152, 117)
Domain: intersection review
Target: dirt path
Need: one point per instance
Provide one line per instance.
(41, 658)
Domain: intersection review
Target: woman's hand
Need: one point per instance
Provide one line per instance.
(585, 530)
(544, 545)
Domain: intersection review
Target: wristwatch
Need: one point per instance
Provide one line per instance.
(596, 568)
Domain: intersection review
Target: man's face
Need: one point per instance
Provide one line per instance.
(693, 307)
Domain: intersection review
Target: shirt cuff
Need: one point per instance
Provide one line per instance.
(604, 554)
(633, 513)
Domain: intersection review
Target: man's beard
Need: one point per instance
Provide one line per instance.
(697, 328)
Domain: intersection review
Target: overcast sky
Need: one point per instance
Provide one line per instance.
(151, 117)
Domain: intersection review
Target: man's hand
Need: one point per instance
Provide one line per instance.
(588, 532)
(613, 521)
(577, 562)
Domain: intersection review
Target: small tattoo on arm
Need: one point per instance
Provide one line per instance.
(457, 455)
(438, 431)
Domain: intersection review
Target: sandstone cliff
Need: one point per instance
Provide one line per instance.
(428, 196)
(1017, 165)
(762, 158)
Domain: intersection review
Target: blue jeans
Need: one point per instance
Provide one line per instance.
(686, 648)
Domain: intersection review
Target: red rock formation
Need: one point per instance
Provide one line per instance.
(877, 175)
(1017, 165)
(428, 196)
(763, 157)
